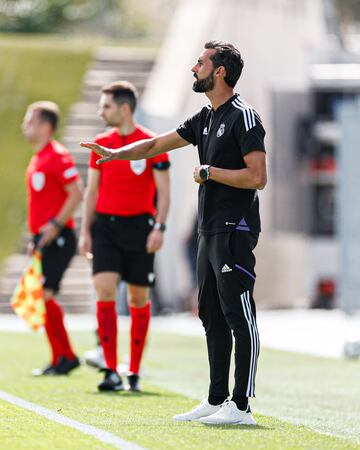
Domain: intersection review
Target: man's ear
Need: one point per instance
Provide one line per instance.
(220, 72)
(126, 108)
(48, 127)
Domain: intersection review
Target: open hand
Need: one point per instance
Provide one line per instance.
(48, 233)
(85, 245)
(106, 153)
(154, 241)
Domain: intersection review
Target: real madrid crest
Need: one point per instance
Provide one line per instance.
(221, 130)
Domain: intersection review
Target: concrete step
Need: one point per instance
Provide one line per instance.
(79, 131)
(81, 155)
(85, 119)
(76, 278)
(131, 54)
(17, 262)
(99, 77)
(106, 64)
(84, 107)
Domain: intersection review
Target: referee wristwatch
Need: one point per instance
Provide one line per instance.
(204, 172)
(160, 226)
(56, 224)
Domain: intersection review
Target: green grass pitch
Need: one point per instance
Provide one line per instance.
(303, 402)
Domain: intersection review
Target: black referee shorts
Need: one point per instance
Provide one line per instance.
(56, 257)
(119, 245)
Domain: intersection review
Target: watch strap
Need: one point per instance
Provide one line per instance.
(56, 224)
(160, 226)
(205, 172)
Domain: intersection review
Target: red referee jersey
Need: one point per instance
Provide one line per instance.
(47, 174)
(127, 188)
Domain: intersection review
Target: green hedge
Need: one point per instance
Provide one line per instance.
(31, 69)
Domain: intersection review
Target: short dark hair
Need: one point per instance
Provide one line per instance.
(228, 56)
(122, 92)
(49, 112)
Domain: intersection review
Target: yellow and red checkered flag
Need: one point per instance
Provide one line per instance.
(28, 298)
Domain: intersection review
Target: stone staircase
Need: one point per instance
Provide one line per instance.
(109, 64)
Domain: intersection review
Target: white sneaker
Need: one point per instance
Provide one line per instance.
(95, 358)
(122, 369)
(202, 410)
(229, 414)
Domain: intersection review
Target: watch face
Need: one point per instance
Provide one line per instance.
(203, 174)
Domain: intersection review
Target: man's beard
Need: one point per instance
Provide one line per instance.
(205, 85)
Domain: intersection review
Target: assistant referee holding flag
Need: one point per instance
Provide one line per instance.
(230, 140)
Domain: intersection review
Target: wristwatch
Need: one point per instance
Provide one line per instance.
(56, 224)
(204, 172)
(160, 226)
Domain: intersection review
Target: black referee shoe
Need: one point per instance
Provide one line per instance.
(112, 381)
(133, 382)
(48, 370)
(65, 366)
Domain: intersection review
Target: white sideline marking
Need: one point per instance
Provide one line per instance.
(97, 433)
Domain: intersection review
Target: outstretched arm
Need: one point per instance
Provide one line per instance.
(146, 148)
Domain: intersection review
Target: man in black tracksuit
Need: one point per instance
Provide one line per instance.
(230, 140)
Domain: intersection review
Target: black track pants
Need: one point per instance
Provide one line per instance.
(226, 281)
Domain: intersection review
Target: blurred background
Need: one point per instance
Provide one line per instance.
(302, 74)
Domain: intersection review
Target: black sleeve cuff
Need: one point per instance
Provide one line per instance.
(161, 165)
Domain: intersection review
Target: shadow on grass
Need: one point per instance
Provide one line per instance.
(229, 427)
(129, 394)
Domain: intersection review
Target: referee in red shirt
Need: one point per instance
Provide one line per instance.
(54, 192)
(122, 230)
